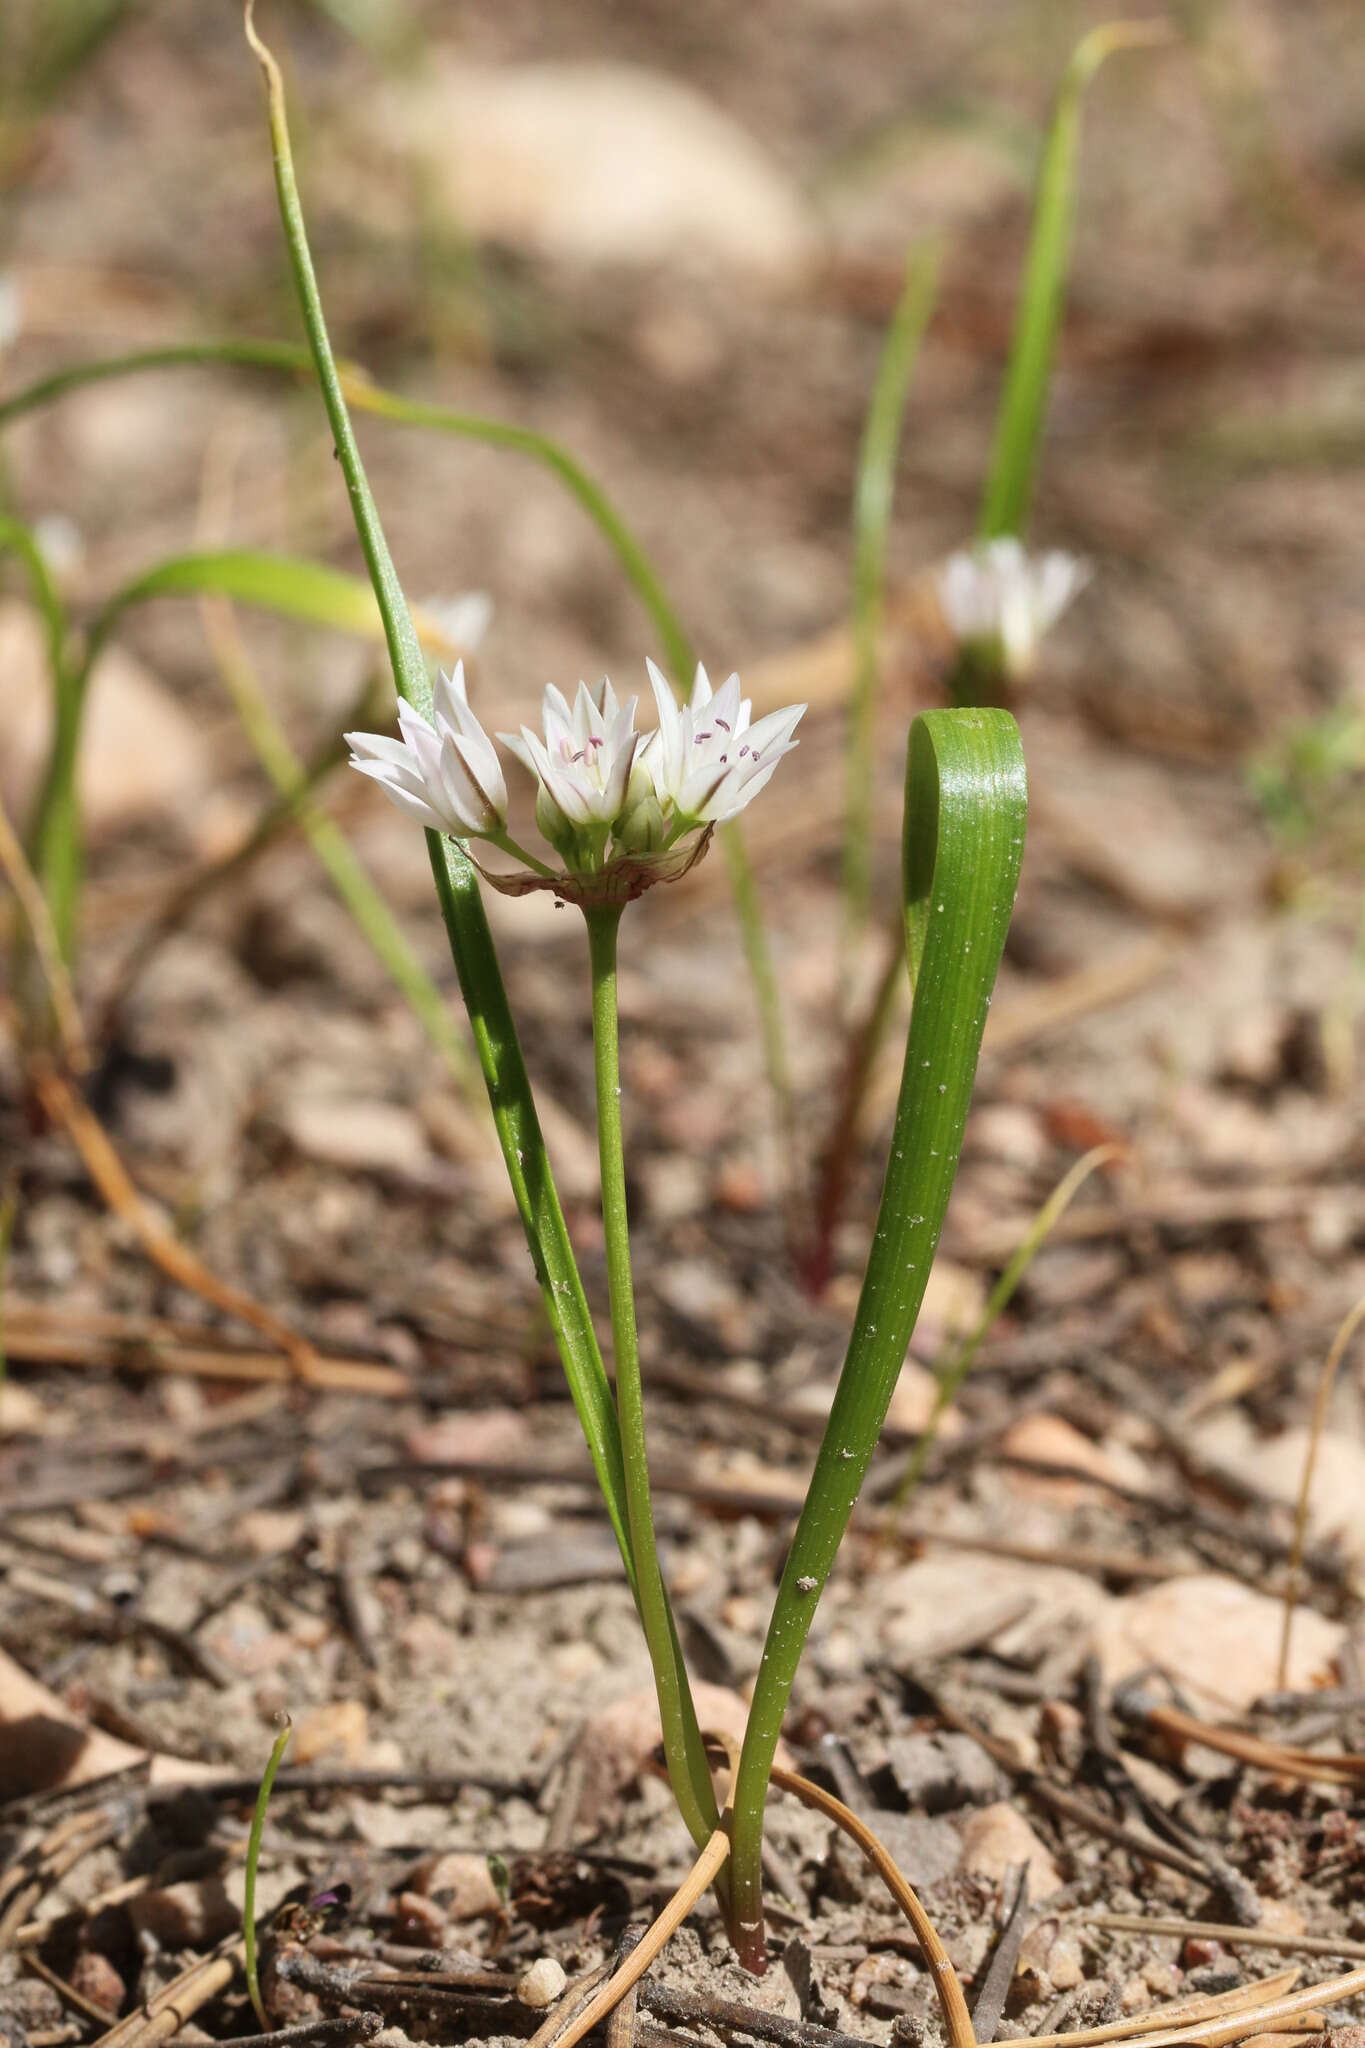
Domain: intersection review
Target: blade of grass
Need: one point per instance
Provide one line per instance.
(1321, 1400)
(873, 491)
(52, 832)
(471, 941)
(9, 1210)
(951, 1373)
(965, 808)
(1023, 402)
(338, 857)
(355, 389)
(253, 1857)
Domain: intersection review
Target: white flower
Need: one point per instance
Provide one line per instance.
(584, 762)
(997, 597)
(445, 775)
(708, 760)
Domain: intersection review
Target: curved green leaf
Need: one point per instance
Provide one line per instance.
(965, 809)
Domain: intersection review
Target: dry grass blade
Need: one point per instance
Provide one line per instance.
(60, 1850)
(956, 2018)
(1233, 1936)
(1259, 2019)
(693, 1887)
(112, 1179)
(39, 1333)
(164, 2015)
(1207, 2006)
(1338, 1768)
(1326, 1381)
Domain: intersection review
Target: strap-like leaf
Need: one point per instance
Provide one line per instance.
(966, 803)
(1023, 403)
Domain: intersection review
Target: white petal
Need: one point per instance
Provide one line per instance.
(414, 806)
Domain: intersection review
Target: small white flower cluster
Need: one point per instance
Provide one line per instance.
(607, 794)
(999, 601)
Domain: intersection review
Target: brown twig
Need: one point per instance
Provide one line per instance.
(68, 1993)
(990, 1999)
(336, 2032)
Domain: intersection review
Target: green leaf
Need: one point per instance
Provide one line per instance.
(287, 584)
(873, 491)
(965, 809)
(1023, 404)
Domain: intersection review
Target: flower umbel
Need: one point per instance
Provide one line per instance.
(999, 601)
(622, 809)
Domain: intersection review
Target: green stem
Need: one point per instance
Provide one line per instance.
(688, 1771)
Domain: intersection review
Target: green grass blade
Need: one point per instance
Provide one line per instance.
(950, 1372)
(287, 584)
(253, 1857)
(53, 831)
(347, 874)
(965, 809)
(1023, 403)
(245, 355)
(873, 491)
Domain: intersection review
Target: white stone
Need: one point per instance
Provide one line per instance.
(1217, 1638)
(600, 163)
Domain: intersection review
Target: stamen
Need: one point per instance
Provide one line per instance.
(722, 724)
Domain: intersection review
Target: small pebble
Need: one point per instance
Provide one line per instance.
(542, 1984)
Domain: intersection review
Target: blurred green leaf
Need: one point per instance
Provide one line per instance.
(1023, 404)
(873, 492)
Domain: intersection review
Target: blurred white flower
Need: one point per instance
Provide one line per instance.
(464, 619)
(708, 760)
(447, 774)
(1000, 600)
(11, 309)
